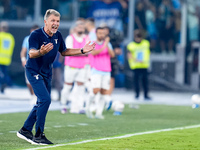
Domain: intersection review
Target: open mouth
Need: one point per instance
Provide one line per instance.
(55, 27)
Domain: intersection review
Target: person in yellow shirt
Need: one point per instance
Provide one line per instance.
(7, 43)
(139, 62)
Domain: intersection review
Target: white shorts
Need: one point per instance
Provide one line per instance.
(75, 74)
(100, 81)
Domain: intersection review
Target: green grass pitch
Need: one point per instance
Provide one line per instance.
(69, 128)
(187, 139)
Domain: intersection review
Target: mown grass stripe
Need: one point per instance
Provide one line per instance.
(118, 137)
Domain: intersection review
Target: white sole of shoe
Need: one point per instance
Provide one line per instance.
(99, 117)
(34, 143)
(23, 137)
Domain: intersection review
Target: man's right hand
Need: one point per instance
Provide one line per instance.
(44, 49)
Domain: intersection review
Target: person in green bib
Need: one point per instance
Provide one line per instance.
(7, 43)
(139, 62)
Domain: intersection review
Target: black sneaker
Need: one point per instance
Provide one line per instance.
(2, 89)
(25, 135)
(147, 98)
(41, 140)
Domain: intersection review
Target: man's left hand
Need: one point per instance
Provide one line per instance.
(89, 47)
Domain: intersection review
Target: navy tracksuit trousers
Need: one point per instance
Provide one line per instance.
(42, 88)
(141, 75)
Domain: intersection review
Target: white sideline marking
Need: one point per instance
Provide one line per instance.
(12, 131)
(58, 126)
(1, 133)
(83, 124)
(71, 125)
(118, 137)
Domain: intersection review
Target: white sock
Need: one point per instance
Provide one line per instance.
(65, 94)
(101, 104)
(90, 100)
(81, 94)
(108, 98)
(77, 102)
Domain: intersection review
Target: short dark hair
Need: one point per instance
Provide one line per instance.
(34, 27)
(90, 20)
(99, 28)
(107, 27)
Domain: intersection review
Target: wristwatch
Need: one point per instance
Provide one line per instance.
(40, 54)
(82, 51)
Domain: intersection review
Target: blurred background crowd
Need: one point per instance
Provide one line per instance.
(171, 26)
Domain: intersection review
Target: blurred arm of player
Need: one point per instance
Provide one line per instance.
(110, 49)
(96, 52)
(23, 56)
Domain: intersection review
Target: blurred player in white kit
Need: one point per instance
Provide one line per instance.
(100, 73)
(75, 71)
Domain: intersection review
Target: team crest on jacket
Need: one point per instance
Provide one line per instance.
(56, 41)
(36, 76)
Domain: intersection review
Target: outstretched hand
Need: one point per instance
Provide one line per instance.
(44, 49)
(89, 47)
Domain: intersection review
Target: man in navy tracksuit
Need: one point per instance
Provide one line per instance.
(44, 44)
